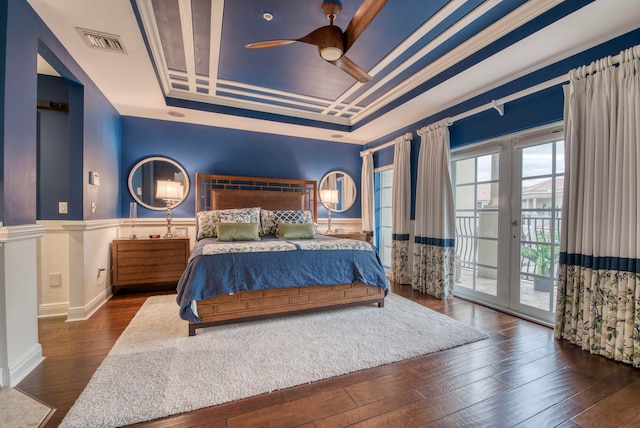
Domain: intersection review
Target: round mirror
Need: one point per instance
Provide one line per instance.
(145, 177)
(337, 191)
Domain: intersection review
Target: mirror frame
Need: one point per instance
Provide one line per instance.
(355, 190)
(151, 159)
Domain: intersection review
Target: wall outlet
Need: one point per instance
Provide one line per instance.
(63, 208)
(55, 279)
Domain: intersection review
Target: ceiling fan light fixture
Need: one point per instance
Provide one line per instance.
(331, 53)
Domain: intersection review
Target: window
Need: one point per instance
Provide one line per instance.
(382, 205)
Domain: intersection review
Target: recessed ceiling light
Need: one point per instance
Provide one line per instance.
(175, 113)
(267, 16)
(337, 136)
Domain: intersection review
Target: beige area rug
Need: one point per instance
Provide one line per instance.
(156, 370)
(18, 410)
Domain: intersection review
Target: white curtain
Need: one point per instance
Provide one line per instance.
(598, 301)
(434, 247)
(401, 207)
(367, 192)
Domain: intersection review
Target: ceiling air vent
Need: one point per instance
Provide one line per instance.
(104, 41)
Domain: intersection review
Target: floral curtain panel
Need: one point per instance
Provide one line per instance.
(434, 247)
(367, 192)
(598, 302)
(401, 206)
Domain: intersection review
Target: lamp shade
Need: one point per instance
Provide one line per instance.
(169, 190)
(329, 196)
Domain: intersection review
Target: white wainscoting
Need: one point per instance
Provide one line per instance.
(74, 267)
(21, 351)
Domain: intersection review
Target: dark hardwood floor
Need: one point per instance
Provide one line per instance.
(520, 377)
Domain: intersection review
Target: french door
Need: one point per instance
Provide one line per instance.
(508, 199)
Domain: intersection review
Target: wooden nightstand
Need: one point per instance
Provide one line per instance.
(146, 263)
(360, 236)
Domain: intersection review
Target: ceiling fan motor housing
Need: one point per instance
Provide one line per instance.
(330, 43)
(331, 9)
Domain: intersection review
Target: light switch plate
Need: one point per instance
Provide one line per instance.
(94, 178)
(63, 208)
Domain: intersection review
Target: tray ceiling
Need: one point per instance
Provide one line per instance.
(187, 57)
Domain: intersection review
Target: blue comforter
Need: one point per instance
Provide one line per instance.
(217, 268)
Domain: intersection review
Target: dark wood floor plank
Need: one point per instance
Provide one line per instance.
(618, 409)
(369, 391)
(603, 387)
(504, 410)
(295, 413)
(363, 413)
(417, 414)
(452, 383)
(481, 390)
(526, 373)
(554, 415)
(559, 385)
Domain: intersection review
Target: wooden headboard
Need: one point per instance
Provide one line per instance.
(218, 192)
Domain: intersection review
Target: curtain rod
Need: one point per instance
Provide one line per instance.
(499, 104)
(495, 104)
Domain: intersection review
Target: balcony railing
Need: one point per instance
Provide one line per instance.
(535, 232)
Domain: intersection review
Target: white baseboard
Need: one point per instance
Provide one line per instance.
(83, 313)
(25, 365)
(48, 310)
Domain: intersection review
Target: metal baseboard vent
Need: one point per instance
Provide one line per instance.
(104, 41)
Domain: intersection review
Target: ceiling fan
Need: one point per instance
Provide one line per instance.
(331, 41)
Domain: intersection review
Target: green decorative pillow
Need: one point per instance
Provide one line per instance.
(271, 218)
(237, 231)
(296, 231)
(207, 220)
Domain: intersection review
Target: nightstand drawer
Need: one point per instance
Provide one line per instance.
(148, 261)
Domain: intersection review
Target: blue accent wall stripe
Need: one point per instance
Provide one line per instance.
(620, 264)
(400, 236)
(438, 242)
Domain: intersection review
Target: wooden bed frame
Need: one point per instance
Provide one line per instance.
(224, 192)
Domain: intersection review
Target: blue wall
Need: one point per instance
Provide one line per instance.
(213, 150)
(3, 62)
(53, 150)
(94, 125)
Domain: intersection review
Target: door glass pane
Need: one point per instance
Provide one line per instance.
(537, 160)
(476, 196)
(488, 167)
(465, 199)
(465, 171)
(541, 209)
(488, 224)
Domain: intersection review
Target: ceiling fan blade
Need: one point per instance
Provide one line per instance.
(320, 36)
(361, 20)
(269, 44)
(350, 67)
